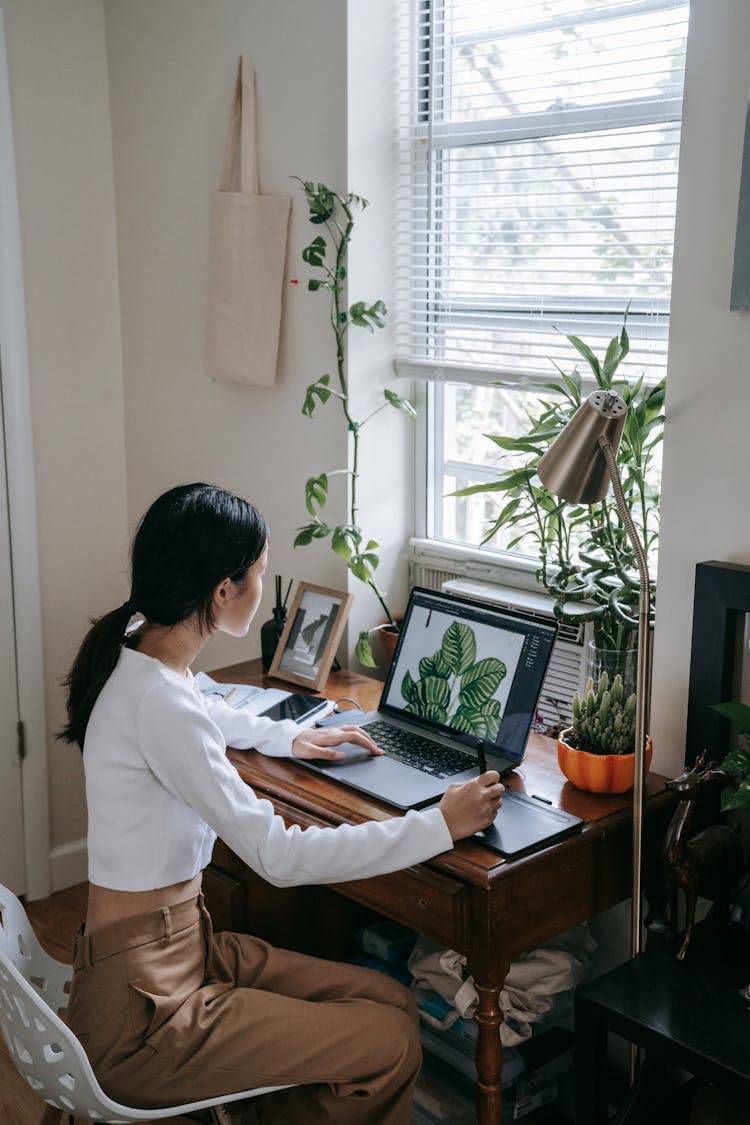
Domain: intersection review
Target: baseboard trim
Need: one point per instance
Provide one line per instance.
(68, 864)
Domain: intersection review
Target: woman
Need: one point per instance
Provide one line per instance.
(167, 1011)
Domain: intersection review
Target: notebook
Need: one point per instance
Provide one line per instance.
(465, 676)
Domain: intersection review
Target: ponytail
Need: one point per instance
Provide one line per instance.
(190, 539)
(92, 667)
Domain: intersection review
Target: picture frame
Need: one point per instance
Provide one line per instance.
(313, 629)
(719, 671)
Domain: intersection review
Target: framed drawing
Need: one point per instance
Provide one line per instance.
(720, 655)
(312, 632)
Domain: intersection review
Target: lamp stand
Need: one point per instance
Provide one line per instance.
(642, 704)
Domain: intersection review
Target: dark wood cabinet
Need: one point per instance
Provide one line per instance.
(313, 920)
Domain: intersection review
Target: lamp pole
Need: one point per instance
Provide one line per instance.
(579, 467)
(643, 688)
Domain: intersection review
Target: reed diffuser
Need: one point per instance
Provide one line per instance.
(272, 629)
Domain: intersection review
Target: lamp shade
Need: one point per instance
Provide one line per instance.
(574, 467)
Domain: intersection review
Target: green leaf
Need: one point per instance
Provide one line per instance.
(320, 390)
(340, 544)
(495, 486)
(587, 354)
(462, 721)
(305, 535)
(738, 713)
(315, 253)
(612, 358)
(480, 681)
(363, 651)
(316, 492)
(519, 445)
(737, 761)
(400, 403)
(483, 721)
(435, 666)
(408, 688)
(360, 569)
(459, 647)
(369, 317)
(433, 690)
(504, 519)
(433, 712)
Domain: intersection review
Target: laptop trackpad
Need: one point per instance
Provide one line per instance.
(353, 753)
(381, 777)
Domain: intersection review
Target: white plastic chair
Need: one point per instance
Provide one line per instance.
(34, 990)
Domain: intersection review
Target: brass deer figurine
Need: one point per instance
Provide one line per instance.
(708, 863)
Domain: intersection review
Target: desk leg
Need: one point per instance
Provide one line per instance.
(489, 1056)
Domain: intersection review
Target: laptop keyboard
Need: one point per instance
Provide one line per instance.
(421, 753)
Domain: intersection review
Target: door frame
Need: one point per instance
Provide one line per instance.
(19, 454)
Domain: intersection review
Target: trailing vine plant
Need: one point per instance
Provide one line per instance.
(329, 255)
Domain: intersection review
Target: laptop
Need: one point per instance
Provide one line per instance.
(464, 673)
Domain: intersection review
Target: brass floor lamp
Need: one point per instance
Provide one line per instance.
(579, 466)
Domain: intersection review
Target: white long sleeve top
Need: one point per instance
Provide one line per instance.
(160, 788)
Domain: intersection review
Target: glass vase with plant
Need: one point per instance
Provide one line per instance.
(328, 256)
(585, 559)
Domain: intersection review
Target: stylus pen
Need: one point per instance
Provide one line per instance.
(480, 756)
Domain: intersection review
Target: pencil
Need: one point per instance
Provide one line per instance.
(480, 756)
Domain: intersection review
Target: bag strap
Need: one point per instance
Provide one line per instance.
(241, 132)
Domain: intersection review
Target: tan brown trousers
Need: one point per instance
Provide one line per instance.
(169, 1012)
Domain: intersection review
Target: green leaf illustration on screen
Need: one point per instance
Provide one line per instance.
(456, 689)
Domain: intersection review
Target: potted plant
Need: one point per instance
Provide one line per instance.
(335, 213)
(737, 762)
(597, 752)
(585, 559)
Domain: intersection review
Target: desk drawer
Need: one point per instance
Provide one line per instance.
(432, 904)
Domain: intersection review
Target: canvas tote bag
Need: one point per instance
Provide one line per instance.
(247, 253)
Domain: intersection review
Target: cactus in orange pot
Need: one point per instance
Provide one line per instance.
(596, 753)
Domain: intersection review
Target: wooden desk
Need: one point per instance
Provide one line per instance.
(470, 899)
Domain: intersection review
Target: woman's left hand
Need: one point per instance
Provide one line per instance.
(324, 742)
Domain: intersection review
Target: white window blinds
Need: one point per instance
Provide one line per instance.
(538, 178)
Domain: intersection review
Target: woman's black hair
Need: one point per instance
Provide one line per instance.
(189, 540)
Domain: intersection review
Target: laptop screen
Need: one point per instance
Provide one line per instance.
(469, 670)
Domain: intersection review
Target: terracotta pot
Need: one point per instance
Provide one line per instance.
(383, 641)
(598, 773)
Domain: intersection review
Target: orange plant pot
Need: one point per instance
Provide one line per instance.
(598, 773)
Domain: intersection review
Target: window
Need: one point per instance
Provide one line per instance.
(538, 155)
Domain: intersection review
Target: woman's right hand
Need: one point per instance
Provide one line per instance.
(472, 805)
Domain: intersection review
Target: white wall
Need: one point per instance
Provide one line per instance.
(386, 490)
(706, 448)
(59, 99)
(115, 279)
(172, 66)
